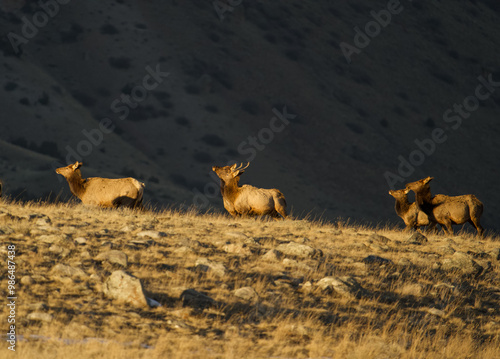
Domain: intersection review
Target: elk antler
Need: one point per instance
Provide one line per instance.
(240, 167)
(248, 164)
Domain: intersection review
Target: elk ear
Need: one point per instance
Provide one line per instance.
(406, 190)
(76, 166)
(238, 173)
(428, 179)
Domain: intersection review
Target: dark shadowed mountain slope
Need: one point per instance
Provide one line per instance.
(228, 79)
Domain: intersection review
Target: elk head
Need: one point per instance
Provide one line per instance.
(69, 170)
(400, 193)
(228, 173)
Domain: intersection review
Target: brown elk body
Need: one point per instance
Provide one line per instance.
(248, 200)
(103, 192)
(409, 212)
(447, 210)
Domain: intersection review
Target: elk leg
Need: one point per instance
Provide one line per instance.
(477, 225)
(447, 228)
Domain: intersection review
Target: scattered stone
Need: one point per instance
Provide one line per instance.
(67, 271)
(195, 299)
(184, 250)
(376, 260)
(345, 286)
(124, 288)
(237, 249)
(292, 263)
(151, 234)
(404, 262)
(298, 250)
(80, 240)
(252, 241)
(446, 249)
(378, 238)
(417, 238)
(306, 287)
(495, 254)
(436, 312)
(378, 247)
(108, 244)
(37, 306)
(127, 229)
(415, 289)
(463, 262)
(43, 221)
(206, 265)
(188, 242)
(52, 238)
(238, 235)
(38, 278)
(56, 249)
(113, 257)
(246, 293)
(27, 280)
(153, 303)
(38, 316)
(272, 255)
(143, 242)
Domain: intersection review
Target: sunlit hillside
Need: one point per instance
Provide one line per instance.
(209, 286)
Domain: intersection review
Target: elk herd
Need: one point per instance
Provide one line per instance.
(245, 201)
(428, 210)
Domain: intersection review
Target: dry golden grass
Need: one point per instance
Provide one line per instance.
(410, 307)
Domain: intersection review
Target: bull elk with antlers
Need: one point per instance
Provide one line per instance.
(248, 200)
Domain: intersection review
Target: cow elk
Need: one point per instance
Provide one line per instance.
(409, 212)
(103, 192)
(447, 210)
(248, 200)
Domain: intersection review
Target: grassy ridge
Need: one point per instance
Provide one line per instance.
(246, 288)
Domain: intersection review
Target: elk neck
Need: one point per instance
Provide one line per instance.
(402, 205)
(76, 183)
(230, 190)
